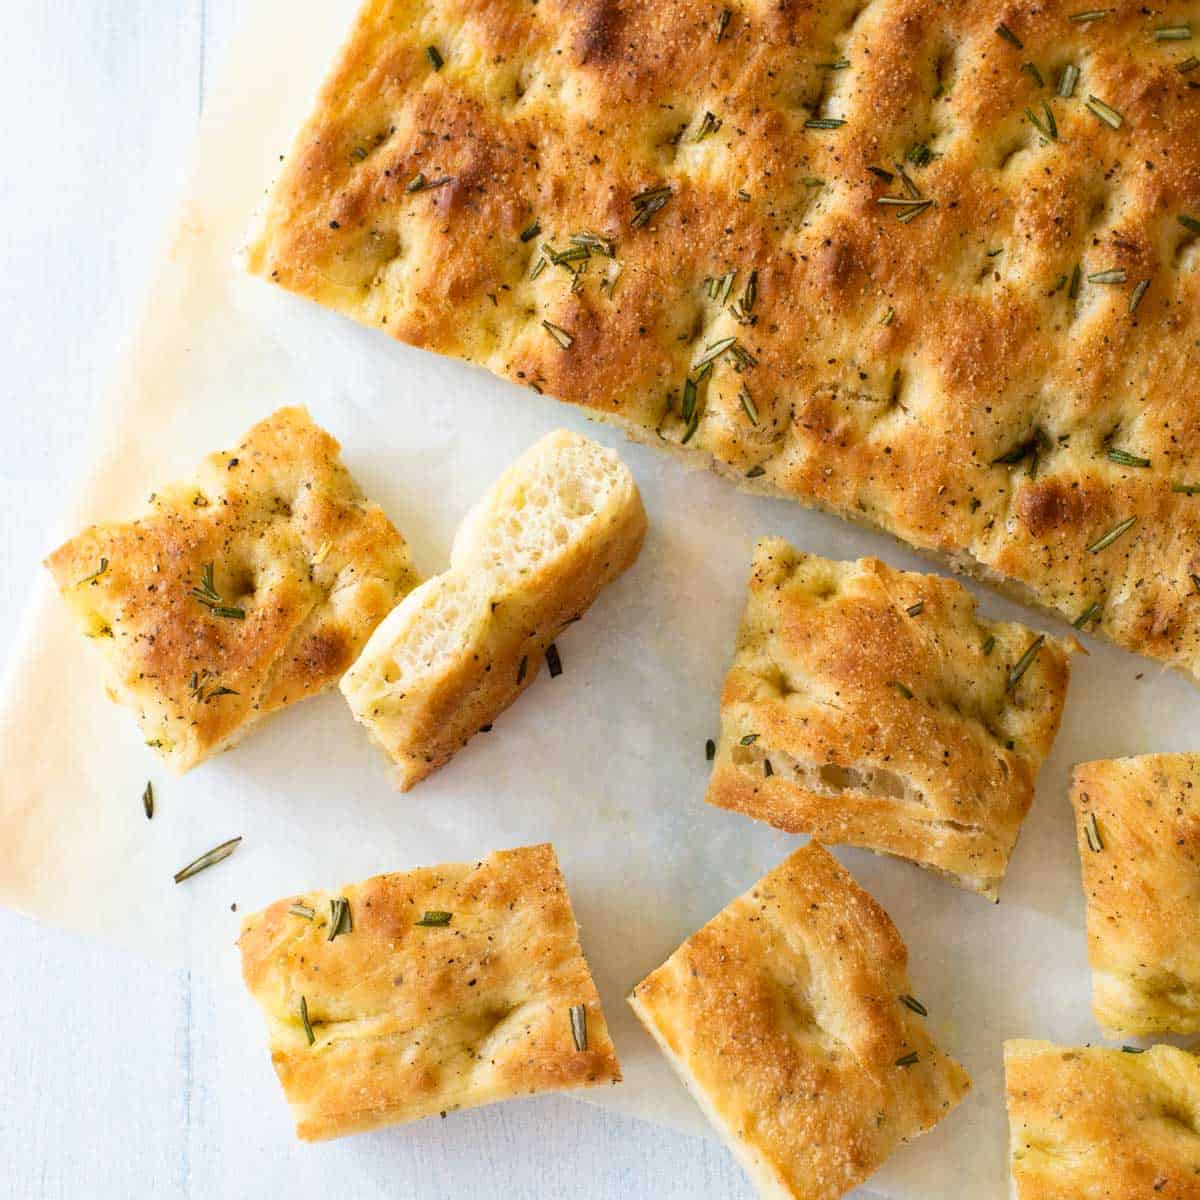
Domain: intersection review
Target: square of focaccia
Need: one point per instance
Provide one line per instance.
(1138, 824)
(249, 587)
(557, 527)
(441, 988)
(791, 1020)
(1098, 1124)
(931, 265)
(875, 708)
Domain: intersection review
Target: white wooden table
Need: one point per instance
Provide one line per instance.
(107, 1085)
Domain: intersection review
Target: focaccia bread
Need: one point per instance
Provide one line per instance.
(1138, 824)
(558, 526)
(875, 708)
(426, 991)
(791, 1020)
(927, 264)
(1103, 1124)
(249, 587)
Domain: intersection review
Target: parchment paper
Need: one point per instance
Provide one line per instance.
(607, 761)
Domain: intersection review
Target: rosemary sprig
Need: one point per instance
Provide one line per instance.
(553, 661)
(578, 1013)
(1105, 112)
(1091, 833)
(768, 770)
(435, 918)
(148, 800)
(1088, 615)
(436, 61)
(1067, 81)
(308, 1029)
(912, 1003)
(212, 857)
(340, 920)
(1125, 459)
(1111, 536)
(1025, 661)
(559, 334)
(208, 595)
(302, 910)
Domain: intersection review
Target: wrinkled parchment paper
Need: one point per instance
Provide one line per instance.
(607, 761)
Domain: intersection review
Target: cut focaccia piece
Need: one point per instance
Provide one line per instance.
(441, 988)
(1098, 1124)
(245, 589)
(790, 1018)
(875, 708)
(1139, 844)
(562, 522)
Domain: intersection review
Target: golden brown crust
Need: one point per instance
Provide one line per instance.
(939, 377)
(784, 1016)
(872, 707)
(294, 547)
(1103, 1124)
(410, 1019)
(1138, 825)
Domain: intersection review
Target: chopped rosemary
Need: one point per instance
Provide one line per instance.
(1111, 536)
(1067, 81)
(989, 644)
(1133, 1050)
(538, 267)
(1049, 128)
(436, 61)
(308, 1029)
(749, 739)
(723, 22)
(594, 243)
(1189, 64)
(748, 405)
(710, 750)
(1030, 69)
(768, 770)
(824, 123)
(1186, 489)
(1113, 275)
(1189, 223)
(208, 595)
(215, 855)
(750, 293)
(688, 407)
(909, 186)
(553, 661)
(559, 334)
(302, 910)
(1136, 297)
(1125, 459)
(339, 917)
(915, 610)
(435, 917)
(880, 173)
(1088, 615)
(719, 286)
(530, 232)
(903, 689)
(714, 350)
(1173, 33)
(1091, 833)
(911, 214)
(1025, 661)
(1008, 35)
(1092, 14)
(148, 800)
(709, 125)
(522, 669)
(1076, 280)
(647, 203)
(104, 561)
(911, 1002)
(908, 1060)
(579, 1026)
(1105, 112)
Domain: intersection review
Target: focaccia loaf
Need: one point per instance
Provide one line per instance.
(791, 1020)
(1138, 823)
(557, 527)
(245, 589)
(441, 988)
(875, 707)
(927, 264)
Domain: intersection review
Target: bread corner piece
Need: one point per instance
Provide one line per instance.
(1097, 1122)
(251, 586)
(875, 708)
(444, 988)
(244, 589)
(790, 1018)
(1138, 822)
(559, 525)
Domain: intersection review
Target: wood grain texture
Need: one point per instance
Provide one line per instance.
(125, 1079)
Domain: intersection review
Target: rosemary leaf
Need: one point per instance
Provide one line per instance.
(915, 610)
(1105, 112)
(339, 917)
(768, 770)
(1092, 14)
(709, 125)
(553, 661)
(1008, 35)
(748, 405)
(749, 739)
(104, 561)
(908, 1060)
(435, 918)
(212, 857)
(1186, 489)
(1076, 280)
(911, 1002)
(522, 670)
(1133, 1050)
(436, 61)
(308, 1029)
(1189, 223)
(911, 214)
(1136, 296)
(880, 173)
(302, 910)
(840, 65)
(756, 471)
(1173, 33)
(824, 123)
(1032, 71)
(1067, 81)
(1088, 615)
(723, 22)
(1113, 275)
(714, 351)
(1025, 661)
(888, 317)
(989, 644)
(578, 1014)
(207, 594)
(530, 232)
(148, 800)
(1091, 833)
(1125, 459)
(710, 750)
(903, 689)
(1189, 64)
(1111, 536)
(559, 334)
